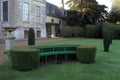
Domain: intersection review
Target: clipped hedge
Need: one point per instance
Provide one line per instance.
(24, 59)
(113, 29)
(78, 31)
(73, 31)
(93, 31)
(67, 31)
(86, 54)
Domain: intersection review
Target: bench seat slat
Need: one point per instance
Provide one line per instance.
(57, 52)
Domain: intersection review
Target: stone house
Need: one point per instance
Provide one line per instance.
(55, 20)
(23, 14)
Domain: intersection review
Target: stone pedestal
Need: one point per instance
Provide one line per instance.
(10, 39)
(9, 42)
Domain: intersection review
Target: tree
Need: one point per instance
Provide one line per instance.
(72, 18)
(116, 5)
(91, 11)
(114, 16)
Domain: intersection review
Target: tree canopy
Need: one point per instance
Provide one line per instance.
(114, 15)
(90, 9)
(116, 5)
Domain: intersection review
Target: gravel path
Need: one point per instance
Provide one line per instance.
(3, 57)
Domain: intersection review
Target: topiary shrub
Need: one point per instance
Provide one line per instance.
(24, 59)
(107, 40)
(86, 54)
(31, 37)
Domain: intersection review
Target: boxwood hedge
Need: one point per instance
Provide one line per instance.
(86, 54)
(24, 59)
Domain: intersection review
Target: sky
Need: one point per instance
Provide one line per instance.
(108, 3)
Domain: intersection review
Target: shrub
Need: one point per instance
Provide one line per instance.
(73, 31)
(31, 37)
(78, 31)
(99, 26)
(91, 31)
(86, 54)
(67, 31)
(107, 40)
(24, 59)
(113, 29)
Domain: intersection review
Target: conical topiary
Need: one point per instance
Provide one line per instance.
(31, 37)
(106, 40)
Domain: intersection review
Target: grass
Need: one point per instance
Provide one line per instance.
(107, 66)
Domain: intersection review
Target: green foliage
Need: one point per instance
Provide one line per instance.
(94, 31)
(107, 40)
(114, 16)
(113, 29)
(48, 29)
(73, 31)
(91, 31)
(107, 66)
(31, 37)
(86, 54)
(78, 31)
(74, 18)
(99, 26)
(90, 10)
(116, 5)
(24, 59)
(67, 32)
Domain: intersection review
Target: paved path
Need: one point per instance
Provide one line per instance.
(3, 57)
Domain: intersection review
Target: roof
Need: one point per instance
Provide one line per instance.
(54, 11)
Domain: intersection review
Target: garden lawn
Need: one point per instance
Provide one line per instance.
(107, 66)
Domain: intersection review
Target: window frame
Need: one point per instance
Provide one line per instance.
(38, 35)
(25, 33)
(24, 13)
(2, 17)
(38, 16)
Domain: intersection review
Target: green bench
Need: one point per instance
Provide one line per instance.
(46, 51)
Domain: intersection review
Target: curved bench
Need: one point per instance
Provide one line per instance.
(56, 50)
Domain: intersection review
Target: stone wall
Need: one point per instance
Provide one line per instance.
(16, 17)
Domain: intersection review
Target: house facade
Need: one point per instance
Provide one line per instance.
(23, 14)
(55, 20)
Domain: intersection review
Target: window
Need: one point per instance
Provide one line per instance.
(38, 14)
(25, 34)
(5, 11)
(43, 10)
(38, 33)
(26, 12)
(52, 20)
(52, 10)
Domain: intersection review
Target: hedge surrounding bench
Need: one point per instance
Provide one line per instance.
(24, 59)
(86, 54)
